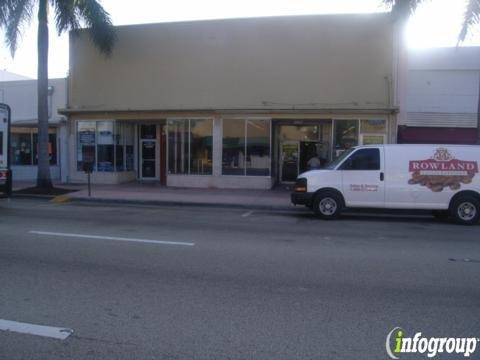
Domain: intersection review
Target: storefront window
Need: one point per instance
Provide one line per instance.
(299, 132)
(105, 148)
(178, 146)
(129, 144)
(246, 147)
(258, 147)
(345, 135)
(233, 162)
(119, 147)
(21, 145)
(109, 145)
(52, 148)
(24, 146)
(373, 126)
(201, 147)
(373, 132)
(190, 146)
(86, 131)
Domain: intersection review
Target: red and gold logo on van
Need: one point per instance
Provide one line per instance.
(442, 171)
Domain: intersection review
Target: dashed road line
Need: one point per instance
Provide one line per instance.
(112, 238)
(38, 330)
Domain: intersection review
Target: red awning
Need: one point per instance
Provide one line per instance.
(435, 135)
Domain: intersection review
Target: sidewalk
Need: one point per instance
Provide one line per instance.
(150, 193)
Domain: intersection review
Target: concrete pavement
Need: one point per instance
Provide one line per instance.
(255, 285)
(153, 193)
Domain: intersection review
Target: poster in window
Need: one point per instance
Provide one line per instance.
(373, 139)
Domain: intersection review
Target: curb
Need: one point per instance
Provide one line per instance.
(32, 196)
(181, 203)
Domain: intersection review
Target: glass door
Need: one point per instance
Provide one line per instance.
(148, 152)
(289, 164)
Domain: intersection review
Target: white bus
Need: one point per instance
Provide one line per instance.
(5, 172)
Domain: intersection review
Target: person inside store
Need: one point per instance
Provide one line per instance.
(314, 162)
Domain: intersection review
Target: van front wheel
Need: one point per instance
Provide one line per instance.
(327, 205)
(465, 210)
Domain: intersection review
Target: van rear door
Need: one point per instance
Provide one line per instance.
(363, 178)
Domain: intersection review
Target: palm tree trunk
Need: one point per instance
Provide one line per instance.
(43, 176)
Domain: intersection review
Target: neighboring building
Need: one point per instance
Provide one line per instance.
(9, 76)
(21, 96)
(442, 96)
(230, 103)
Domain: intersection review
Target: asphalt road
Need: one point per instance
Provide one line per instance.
(247, 285)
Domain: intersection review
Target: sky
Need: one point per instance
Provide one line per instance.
(436, 23)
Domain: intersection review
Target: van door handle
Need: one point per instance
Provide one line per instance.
(382, 176)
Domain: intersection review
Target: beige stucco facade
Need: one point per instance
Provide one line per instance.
(302, 69)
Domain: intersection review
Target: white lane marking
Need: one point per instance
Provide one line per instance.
(160, 242)
(38, 330)
(248, 213)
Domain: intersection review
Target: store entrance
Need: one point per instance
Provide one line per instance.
(302, 147)
(298, 157)
(151, 152)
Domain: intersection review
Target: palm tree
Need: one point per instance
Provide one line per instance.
(69, 15)
(402, 9)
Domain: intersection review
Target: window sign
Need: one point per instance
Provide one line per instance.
(86, 134)
(87, 137)
(377, 126)
(373, 139)
(108, 144)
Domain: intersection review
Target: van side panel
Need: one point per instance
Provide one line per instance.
(364, 187)
(321, 179)
(428, 176)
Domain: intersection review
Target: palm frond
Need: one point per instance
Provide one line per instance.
(18, 13)
(4, 9)
(98, 22)
(471, 17)
(65, 17)
(403, 8)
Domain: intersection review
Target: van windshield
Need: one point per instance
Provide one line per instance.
(333, 164)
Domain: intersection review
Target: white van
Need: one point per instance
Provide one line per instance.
(443, 178)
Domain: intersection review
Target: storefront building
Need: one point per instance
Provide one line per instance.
(242, 103)
(443, 96)
(21, 96)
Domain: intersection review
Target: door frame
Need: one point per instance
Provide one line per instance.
(280, 170)
(158, 152)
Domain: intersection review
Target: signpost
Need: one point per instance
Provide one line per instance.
(88, 157)
(88, 169)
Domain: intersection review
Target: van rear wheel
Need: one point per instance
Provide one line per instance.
(327, 205)
(465, 210)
